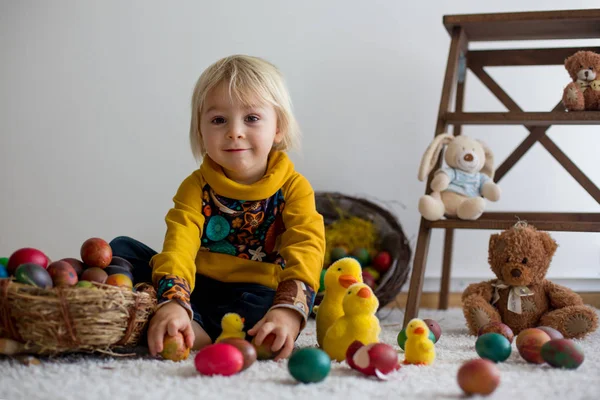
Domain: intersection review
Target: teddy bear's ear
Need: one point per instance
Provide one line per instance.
(571, 64)
(549, 244)
(488, 167)
(431, 155)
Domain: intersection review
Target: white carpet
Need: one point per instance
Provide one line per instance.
(91, 377)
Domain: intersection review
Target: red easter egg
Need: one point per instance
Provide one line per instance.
(75, 263)
(529, 344)
(94, 274)
(382, 261)
(497, 327)
(26, 255)
(62, 273)
(219, 359)
(479, 376)
(369, 279)
(96, 252)
(375, 359)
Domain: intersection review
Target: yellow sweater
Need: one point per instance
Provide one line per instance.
(267, 233)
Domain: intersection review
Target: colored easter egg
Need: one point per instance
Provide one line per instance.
(368, 279)
(264, 352)
(26, 255)
(33, 274)
(479, 376)
(76, 264)
(219, 359)
(62, 273)
(94, 274)
(375, 359)
(374, 273)
(245, 347)
(434, 328)
(4, 261)
(562, 353)
(121, 262)
(322, 280)
(401, 339)
(174, 348)
(337, 253)
(119, 280)
(497, 327)
(382, 261)
(96, 252)
(362, 256)
(3, 272)
(117, 269)
(493, 346)
(309, 365)
(553, 333)
(85, 284)
(530, 342)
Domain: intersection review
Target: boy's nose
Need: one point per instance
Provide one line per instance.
(235, 132)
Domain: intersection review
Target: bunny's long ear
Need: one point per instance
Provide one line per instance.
(488, 167)
(432, 154)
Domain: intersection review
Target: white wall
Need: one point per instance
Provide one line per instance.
(94, 114)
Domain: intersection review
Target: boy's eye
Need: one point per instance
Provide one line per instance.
(251, 118)
(218, 120)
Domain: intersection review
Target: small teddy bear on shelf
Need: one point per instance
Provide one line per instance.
(457, 189)
(584, 92)
(521, 297)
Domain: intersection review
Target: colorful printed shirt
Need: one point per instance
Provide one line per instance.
(267, 233)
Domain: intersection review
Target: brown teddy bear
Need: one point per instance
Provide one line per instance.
(521, 298)
(584, 92)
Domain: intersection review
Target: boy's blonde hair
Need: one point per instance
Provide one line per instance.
(247, 77)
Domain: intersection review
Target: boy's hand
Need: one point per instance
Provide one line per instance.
(169, 319)
(284, 323)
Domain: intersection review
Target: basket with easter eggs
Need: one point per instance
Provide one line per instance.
(71, 305)
(359, 228)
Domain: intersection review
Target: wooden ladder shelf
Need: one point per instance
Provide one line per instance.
(463, 29)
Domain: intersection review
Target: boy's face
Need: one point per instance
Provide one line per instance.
(237, 137)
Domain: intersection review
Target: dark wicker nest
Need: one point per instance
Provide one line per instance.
(391, 237)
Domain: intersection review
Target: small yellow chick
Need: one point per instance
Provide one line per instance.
(233, 327)
(418, 349)
(358, 322)
(338, 277)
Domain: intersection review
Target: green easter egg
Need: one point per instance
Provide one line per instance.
(402, 338)
(337, 253)
(3, 261)
(85, 284)
(309, 365)
(493, 346)
(362, 256)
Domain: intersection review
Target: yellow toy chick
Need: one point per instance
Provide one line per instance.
(233, 327)
(338, 277)
(418, 349)
(358, 322)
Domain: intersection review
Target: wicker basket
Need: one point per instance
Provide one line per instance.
(76, 319)
(391, 237)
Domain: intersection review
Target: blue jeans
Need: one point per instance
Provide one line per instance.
(210, 299)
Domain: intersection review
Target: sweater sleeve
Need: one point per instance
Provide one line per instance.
(174, 269)
(302, 247)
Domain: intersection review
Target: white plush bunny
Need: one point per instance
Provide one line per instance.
(457, 189)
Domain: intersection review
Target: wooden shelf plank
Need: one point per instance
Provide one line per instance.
(538, 25)
(521, 57)
(524, 118)
(566, 222)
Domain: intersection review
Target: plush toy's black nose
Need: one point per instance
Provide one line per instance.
(515, 273)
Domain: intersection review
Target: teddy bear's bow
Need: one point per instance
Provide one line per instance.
(514, 295)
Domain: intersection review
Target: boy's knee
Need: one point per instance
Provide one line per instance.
(120, 242)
